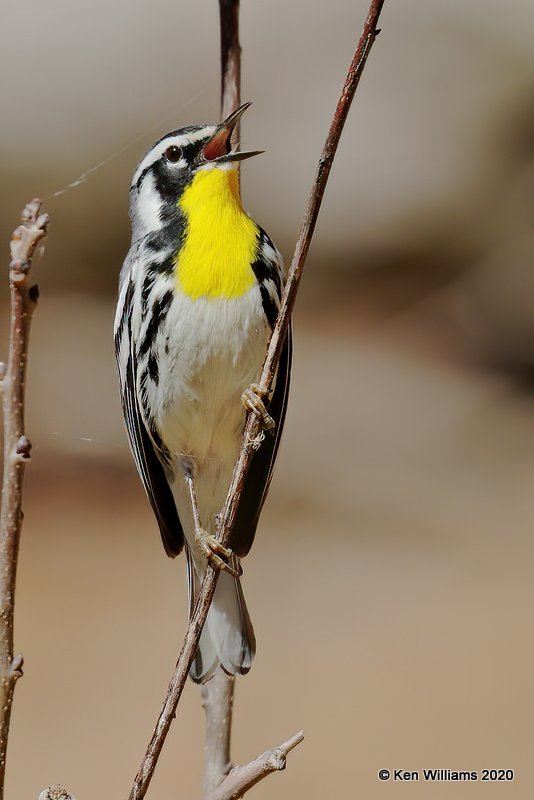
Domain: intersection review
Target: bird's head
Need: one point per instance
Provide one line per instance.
(172, 165)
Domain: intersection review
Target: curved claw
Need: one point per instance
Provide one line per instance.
(219, 557)
(253, 400)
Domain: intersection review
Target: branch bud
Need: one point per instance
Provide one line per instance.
(23, 448)
(16, 667)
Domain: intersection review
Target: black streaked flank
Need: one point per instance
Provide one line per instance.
(154, 270)
(120, 330)
(162, 452)
(153, 369)
(160, 308)
(165, 267)
(126, 311)
(148, 284)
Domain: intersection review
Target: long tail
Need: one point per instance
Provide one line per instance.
(228, 636)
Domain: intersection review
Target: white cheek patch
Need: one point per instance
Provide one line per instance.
(147, 207)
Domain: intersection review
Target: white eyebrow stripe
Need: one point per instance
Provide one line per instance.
(195, 136)
(179, 141)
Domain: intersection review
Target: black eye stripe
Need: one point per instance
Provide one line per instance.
(189, 152)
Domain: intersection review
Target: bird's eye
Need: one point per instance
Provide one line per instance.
(173, 154)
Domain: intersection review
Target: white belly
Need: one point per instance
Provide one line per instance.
(215, 351)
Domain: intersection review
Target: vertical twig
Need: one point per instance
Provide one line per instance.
(16, 451)
(218, 700)
(229, 512)
(230, 59)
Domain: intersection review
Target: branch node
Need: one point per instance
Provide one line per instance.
(3, 370)
(276, 760)
(23, 449)
(24, 240)
(18, 269)
(244, 776)
(16, 667)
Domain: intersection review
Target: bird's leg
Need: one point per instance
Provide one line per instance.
(219, 557)
(253, 400)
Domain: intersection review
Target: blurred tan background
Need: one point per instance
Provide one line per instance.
(390, 583)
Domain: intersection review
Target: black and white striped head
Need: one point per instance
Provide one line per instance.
(171, 164)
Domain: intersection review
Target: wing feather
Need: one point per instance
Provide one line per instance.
(148, 464)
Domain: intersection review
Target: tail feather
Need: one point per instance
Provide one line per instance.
(206, 659)
(228, 636)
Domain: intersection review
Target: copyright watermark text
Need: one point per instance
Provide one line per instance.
(445, 775)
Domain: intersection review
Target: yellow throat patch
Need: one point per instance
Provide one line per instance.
(221, 241)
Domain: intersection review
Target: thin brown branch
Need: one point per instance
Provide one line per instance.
(16, 451)
(252, 432)
(244, 777)
(218, 700)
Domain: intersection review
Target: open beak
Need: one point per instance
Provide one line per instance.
(218, 149)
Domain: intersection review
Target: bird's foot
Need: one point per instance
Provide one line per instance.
(252, 398)
(218, 556)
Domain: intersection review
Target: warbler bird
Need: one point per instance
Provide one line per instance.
(199, 292)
